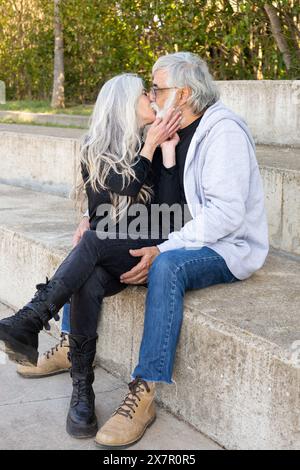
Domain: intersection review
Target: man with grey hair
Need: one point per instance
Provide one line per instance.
(225, 241)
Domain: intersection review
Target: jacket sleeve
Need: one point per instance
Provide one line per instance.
(141, 169)
(225, 181)
(115, 180)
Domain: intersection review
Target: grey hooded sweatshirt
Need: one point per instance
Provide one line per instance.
(224, 193)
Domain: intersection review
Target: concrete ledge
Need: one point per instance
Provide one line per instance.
(280, 171)
(237, 369)
(270, 107)
(46, 118)
(42, 162)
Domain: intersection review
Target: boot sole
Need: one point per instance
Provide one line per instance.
(41, 376)
(128, 444)
(81, 432)
(16, 351)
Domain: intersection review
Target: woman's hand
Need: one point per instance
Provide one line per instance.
(160, 131)
(139, 274)
(168, 151)
(82, 227)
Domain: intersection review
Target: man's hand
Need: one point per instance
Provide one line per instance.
(82, 227)
(139, 274)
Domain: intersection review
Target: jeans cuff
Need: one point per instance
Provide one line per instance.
(155, 380)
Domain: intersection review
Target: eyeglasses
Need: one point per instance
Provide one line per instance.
(153, 90)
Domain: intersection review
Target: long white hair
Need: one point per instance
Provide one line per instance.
(113, 141)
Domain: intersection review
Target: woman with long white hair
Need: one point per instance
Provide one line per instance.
(118, 170)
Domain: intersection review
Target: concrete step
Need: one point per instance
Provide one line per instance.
(237, 369)
(41, 405)
(46, 159)
(45, 118)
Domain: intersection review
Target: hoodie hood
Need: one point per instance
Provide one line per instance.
(215, 114)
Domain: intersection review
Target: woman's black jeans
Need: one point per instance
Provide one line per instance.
(92, 271)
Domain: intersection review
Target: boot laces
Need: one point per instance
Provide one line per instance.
(129, 402)
(56, 347)
(82, 391)
(40, 296)
(42, 290)
(22, 314)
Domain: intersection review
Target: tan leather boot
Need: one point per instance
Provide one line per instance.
(129, 422)
(55, 361)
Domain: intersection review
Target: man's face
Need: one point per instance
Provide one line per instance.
(165, 97)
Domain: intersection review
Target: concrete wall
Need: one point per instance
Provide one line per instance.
(39, 162)
(270, 107)
(282, 199)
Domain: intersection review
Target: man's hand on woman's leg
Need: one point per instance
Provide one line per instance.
(139, 273)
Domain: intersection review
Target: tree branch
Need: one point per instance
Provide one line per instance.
(278, 35)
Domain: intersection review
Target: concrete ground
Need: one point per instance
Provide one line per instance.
(33, 412)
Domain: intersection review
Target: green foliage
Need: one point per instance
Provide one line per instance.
(103, 38)
(26, 47)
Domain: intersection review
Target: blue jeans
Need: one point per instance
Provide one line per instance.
(65, 324)
(171, 274)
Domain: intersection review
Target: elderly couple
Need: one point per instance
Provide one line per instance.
(196, 154)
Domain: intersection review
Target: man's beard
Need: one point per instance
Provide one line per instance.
(161, 112)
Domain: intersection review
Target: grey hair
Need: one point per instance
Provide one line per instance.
(113, 141)
(186, 69)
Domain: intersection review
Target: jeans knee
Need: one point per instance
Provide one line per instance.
(90, 243)
(92, 288)
(162, 264)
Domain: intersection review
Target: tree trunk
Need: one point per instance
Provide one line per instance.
(295, 33)
(278, 36)
(58, 94)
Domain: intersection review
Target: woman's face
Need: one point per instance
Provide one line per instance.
(145, 113)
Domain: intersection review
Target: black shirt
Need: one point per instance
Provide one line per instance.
(172, 177)
(182, 147)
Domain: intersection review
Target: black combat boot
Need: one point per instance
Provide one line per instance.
(81, 420)
(19, 333)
